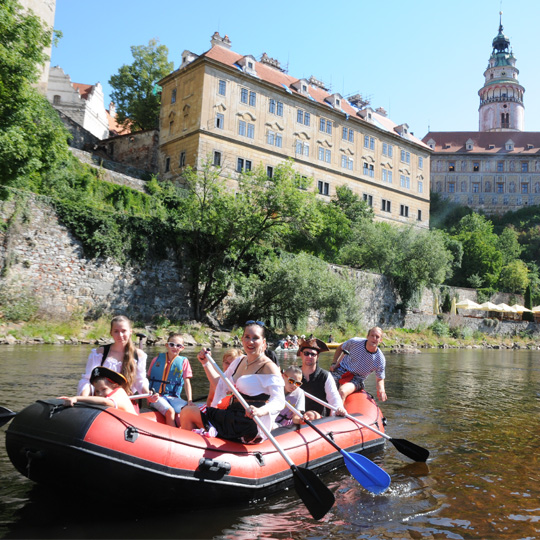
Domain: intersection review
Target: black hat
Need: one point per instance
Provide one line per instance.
(312, 343)
(113, 376)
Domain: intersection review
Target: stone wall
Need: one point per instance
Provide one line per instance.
(41, 259)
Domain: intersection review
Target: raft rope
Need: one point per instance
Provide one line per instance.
(143, 431)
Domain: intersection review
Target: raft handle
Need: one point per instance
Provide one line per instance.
(215, 466)
(260, 458)
(131, 434)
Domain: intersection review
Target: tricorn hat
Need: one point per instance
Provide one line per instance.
(312, 343)
(113, 376)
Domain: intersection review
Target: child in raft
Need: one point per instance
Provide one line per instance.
(168, 373)
(294, 395)
(109, 390)
(228, 356)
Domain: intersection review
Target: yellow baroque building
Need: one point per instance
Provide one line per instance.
(242, 114)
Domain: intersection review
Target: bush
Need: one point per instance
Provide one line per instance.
(17, 303)
(439, 328)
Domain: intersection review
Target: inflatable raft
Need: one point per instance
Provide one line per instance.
(88, 447)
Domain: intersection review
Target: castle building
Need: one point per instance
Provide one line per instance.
(243, 113)
(495, 169)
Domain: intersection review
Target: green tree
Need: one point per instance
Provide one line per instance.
(137, 105)
(508, 244)
(514, 277)
(225, 234)
(32, 138)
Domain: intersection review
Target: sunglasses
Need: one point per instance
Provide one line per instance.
(298, 384)
(258, 323)
(175, 345)
(309, 353)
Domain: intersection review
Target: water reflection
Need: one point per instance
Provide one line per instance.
(476, 411)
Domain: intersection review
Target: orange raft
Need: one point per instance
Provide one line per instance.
(84, 446)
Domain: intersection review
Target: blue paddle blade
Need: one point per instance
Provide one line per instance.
(367, 473)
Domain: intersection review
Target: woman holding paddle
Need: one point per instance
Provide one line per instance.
(121, 356)
(257, 379)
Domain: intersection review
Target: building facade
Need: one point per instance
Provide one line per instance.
(495, 169)
(242, 114)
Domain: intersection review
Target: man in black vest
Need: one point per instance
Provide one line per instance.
(317, 381)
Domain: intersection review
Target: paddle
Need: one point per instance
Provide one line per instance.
(309, 487)
(367, 473)
(407, 448)
(5, 415)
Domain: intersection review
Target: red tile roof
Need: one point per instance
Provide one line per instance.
(84, 89)
(114, 127)
(484, 142)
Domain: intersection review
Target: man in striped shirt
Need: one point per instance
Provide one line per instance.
(355, 359)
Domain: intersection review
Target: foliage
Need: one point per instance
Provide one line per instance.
(137, 105)
(439, 328)
(17, 303)
(287, 288)
(32, 137)
(443, 214)
(475, 281)
(514, 277)
(508, 245)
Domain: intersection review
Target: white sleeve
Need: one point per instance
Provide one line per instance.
(141, 384)
(275, 388)
(301, 402)
(332, 394)
(222, 389)
(94, 359)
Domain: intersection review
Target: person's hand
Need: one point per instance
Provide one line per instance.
(255, 411)
(153, 398)
(201, 357)
(190, 402)
(381, 395)
(340, 411)
(68, 401)
(333, 366)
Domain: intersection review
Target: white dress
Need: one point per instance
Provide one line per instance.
(94, 360)
(253, 385)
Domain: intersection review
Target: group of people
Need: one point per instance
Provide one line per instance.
(116, 373)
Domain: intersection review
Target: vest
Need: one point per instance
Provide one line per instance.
(170, 383)
(315, 386)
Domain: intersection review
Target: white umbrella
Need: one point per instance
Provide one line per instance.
(467, 304)
(521, 309)
(489, 306)
(536, 309)
(505, 308)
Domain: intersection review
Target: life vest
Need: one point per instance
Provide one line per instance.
(170, 383)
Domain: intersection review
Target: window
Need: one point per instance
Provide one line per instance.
(389, 177)
(500, 166)
(244, 95)
(369, 142)
(505, 120)
(325, 155)
(243, 165)
(451, 166)
(279, 140)
(368, 198)
(524, 188)
(242, 128)
(171, 125)
(275, 107)
(451, 187)
(325, 126)
(220, 121)
(302, 182)
(270, 171)
(182, 160)
(476, 166)
(274, 139)
(524, 166)
(386, 205)
(405, 156)
(56, 100)
(252, 98)
(217, 159)
(324, 187)
(347, 134)
(347, 162)
(388, 150)
(246, 130)
(303, 117)
(476, 187)
(420, 162)
(168, 164)
(420, 186)
(405, 181)
(251, 131)
(222, 87)
(383, 175)
(419, 216)
(302, 148)
(500, 187)
(403, 210)
(369, 170)
(173, 96)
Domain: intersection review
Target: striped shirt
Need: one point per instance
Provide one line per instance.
(361, 361)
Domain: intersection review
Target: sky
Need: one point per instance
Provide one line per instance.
(422, 60)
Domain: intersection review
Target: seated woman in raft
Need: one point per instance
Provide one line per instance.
(259, 381)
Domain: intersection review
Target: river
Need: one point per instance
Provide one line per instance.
(478, 412)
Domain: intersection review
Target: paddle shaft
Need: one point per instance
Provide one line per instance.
(354, 419)
(244, 404)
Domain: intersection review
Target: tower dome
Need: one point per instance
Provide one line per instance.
(501, 97)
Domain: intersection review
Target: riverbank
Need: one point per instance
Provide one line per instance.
(78, 332)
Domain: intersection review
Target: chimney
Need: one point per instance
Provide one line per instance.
(219, 41)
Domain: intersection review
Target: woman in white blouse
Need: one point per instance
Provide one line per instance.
(256, 377)
(121, 356)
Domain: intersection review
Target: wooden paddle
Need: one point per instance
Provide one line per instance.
(364, 471)
(407, 448)
(309, 487)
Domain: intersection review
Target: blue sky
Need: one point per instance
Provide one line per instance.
(423, 61)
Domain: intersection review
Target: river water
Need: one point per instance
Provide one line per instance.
(478, 412)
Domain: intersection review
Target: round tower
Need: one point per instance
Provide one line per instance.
(501, 97)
